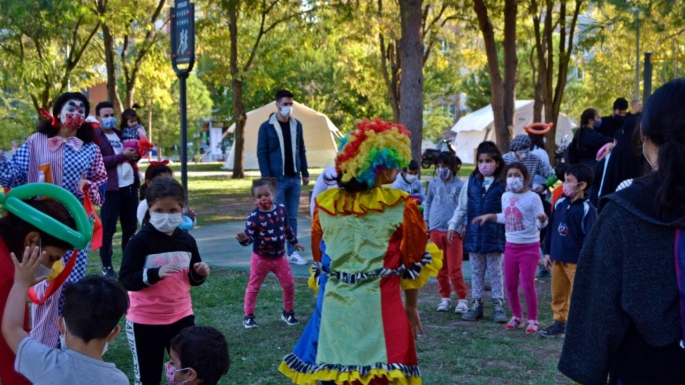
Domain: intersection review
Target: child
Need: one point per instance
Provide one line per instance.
(571, 220)
(409, 181)
(199, 355)
(267, 229)
(133, 134)
(92, 309)
(558, 192)
(523, 218)
(441, 201)
(485, 244)
(160, 265)
(154, 170)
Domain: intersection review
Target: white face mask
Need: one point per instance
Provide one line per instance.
(63, 340)
(646, 158)
(166, 222)
(410, 178)
(515, 184)
(285, 111)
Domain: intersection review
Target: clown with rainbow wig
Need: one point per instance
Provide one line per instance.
(369, 244)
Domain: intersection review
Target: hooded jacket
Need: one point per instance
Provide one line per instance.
(441, 201)
(416, 187)
(624, 314)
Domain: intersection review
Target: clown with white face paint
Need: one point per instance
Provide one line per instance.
(73, 114)
(62, 152)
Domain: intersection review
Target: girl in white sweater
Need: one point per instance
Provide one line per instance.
(523, 216)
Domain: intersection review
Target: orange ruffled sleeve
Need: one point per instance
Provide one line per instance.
(414, 234)
(317, 235)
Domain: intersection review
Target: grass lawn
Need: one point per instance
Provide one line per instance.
(451, 352)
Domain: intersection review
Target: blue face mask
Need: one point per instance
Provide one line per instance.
(109, 123)
(597, 123)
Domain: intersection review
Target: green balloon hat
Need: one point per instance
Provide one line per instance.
(13, 201)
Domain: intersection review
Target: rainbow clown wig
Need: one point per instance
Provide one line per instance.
(374, 147)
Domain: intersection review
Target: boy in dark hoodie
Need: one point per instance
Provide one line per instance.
(571, 219)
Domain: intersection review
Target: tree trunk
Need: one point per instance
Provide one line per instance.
(388, 54)
(503, 137)
(112, 92)
(411, 82)
(130, 92)
(239, 113)
(510, 66)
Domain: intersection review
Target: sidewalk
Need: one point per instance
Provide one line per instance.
(219, 248)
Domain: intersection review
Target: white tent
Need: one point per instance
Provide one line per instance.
(319, 136)
(478, 126)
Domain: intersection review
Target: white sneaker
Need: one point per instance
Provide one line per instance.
(462, 307)
(445, 304)
(296, 259)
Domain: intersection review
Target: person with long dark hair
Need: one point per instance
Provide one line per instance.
(62, 152)
(626, 312)
(587, 140)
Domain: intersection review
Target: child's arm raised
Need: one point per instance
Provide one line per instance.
(481, 220)
(246, 238)
(24, 278)
(133, 275)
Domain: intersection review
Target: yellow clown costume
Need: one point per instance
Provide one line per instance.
(367, 246)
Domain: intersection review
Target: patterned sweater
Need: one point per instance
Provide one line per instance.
(267, 231)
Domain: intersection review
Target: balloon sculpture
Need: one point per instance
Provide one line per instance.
(13, 202)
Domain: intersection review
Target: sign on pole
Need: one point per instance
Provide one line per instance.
(183, 60)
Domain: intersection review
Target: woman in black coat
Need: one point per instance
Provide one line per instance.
(625, 310)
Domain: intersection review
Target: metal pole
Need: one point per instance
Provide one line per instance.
(182, 77)
(648, 78)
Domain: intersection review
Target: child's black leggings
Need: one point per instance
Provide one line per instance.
(147, 343)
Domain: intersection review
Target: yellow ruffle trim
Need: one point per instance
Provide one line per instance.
(313, 281)
(430, 270)
(396, 377)
(336, 201)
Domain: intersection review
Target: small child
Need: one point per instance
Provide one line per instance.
(570, 222)
(159, 266)
(558, 192)
(199, 355)
(441, 201)
(485, 244)
(409, 181)
(267, 229)
(133, 134)
(92, 309)
(523, 218)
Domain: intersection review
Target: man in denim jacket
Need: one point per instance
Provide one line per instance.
(281, 155)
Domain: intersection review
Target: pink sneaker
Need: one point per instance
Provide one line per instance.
(514, 323)
(532, 327)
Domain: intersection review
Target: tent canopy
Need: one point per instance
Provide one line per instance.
(319, 136)
(478, 126)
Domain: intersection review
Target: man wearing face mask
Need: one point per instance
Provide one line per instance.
(520, 152)
(121, 189)
(614, 122)
(281, 154)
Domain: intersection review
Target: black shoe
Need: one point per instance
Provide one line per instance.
(543, 273)
(249, 322)
(475, 312)
(289, 318)
(498, 313)
(557, 329)
(108, 272)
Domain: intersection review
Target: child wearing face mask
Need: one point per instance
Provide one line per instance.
(570, 222)
(161, 170)
(523, 216)
(267, 229)
(441, 201)
(409, 181)
(485, 244)
(198, 355)
(159, 266)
